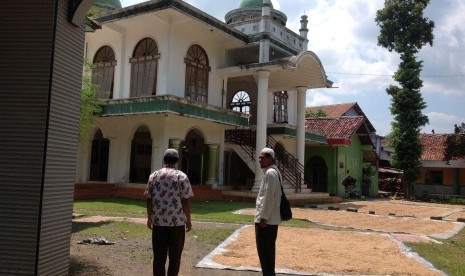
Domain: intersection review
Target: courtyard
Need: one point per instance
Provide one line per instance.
(350, 238)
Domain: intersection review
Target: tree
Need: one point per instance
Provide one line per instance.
(405, 30)
(90, 104)
(315, 114)
(459, 128)
(455, 144)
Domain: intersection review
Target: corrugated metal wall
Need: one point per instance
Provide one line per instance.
(40, 83)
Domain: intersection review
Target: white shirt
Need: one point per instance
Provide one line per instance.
(269, 197)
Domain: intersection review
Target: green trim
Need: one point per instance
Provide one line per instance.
(171, 104)
(292, 132)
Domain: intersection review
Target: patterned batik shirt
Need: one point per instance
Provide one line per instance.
(166, 187)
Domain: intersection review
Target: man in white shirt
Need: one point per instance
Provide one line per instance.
(267, 215)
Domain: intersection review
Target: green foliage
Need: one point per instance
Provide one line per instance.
(459, 128)
(315, 114)
(404, 30)
(90, 104)
(454, 147)
(454, 200)
(403, 27)
(447, 256)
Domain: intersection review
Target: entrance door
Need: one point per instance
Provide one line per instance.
(316, 174)
(99, 158)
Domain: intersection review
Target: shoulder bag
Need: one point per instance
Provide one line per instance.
(285, 205)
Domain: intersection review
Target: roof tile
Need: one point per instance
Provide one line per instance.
(434, 146)
(341, 127)
(334, 110)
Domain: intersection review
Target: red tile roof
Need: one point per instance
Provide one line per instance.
(334, 110)
(340, 110)
(335, 128)
(433, 146)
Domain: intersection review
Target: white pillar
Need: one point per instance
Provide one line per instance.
(224, 92)
(123, 66)
(212, 165)
(260, 141)
(300, 131)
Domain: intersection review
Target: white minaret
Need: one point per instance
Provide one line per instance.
(304, 31)
(265, 31)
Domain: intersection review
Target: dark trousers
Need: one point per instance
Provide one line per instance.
(167, 241)
(265, 238)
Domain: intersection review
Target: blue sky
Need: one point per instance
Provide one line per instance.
(344, 36)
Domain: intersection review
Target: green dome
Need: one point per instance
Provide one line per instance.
(252, 3)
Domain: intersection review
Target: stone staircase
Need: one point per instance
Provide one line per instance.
(242, 142)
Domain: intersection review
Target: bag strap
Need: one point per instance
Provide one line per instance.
(280, 181)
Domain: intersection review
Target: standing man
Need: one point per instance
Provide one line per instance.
(267, 215)
(168, 210)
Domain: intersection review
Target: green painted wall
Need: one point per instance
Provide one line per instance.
(327, 153)
(349, 160)
(343, 161)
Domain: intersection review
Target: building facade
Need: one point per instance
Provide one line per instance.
(171, 75)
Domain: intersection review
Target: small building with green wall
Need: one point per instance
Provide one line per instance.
(348, 155)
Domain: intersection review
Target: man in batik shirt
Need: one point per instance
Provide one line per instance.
(168, 209)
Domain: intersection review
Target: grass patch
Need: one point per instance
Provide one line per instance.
(212, 211)
(448, 256)
(112, 207)
(211, 236)
(220, 211)
(112, 230)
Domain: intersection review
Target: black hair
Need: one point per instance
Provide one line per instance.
(170, 160)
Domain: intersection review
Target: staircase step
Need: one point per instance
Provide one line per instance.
(291, 190)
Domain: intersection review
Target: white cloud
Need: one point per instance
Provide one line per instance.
(276, 4)
(442, 122)
(318, 97)
(436, 117)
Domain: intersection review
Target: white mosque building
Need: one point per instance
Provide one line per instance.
(174, 76)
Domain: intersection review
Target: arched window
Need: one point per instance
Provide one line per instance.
(197, 70)
(103, 73)
(144, 64)
(241, 102)
(280, 107)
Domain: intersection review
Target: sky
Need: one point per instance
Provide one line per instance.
(343, 34)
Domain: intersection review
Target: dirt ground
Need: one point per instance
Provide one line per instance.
(348, 243)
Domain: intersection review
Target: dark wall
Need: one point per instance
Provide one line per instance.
(40, 83)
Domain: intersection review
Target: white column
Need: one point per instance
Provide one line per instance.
(124, 66)
(212, 165)
(221, 162)
(262, 109)
(300, 130)
(224, 91)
